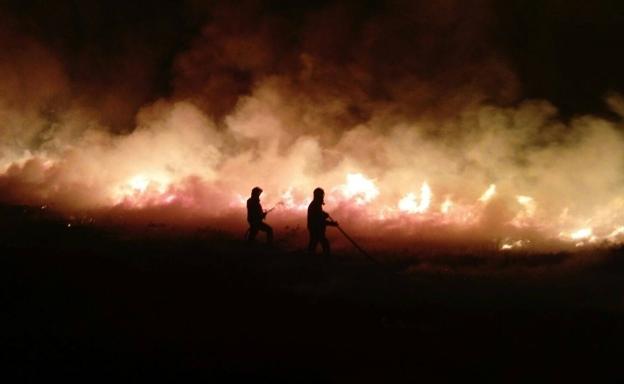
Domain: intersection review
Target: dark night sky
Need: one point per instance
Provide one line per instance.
(568, 52)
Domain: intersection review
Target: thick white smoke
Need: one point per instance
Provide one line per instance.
(548, 176)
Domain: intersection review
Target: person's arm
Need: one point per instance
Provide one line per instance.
(328, 220)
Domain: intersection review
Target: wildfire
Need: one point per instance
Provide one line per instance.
(156, 188)
(149, 178)
(420, 151)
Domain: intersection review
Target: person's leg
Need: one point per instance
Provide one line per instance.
(269, 232)
(312, 243)
(325, 245)
(253, 231)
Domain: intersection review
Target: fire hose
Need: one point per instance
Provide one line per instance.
(356, 245)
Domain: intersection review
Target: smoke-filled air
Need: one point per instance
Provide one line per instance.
(412, 116)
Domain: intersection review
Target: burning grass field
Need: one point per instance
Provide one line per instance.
(100, 300)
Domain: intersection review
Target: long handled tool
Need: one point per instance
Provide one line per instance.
(354, 243)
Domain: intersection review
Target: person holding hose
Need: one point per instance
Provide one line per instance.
(318, 220)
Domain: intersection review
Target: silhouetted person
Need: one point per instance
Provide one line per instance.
(255, 217)
(318, 220)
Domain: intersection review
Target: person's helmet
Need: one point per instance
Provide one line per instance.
(319, 193)
(256, 191)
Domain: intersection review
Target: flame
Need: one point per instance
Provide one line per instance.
(488, 194)
(446, 206)
(410, 204)
(579, 235)
(528, 202)
(360, 188)
(139, 183)
(583, 233)
(616, 233)
(142, 188)
(527, 212)
(508, 246)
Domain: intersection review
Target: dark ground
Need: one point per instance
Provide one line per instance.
(97, 303)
